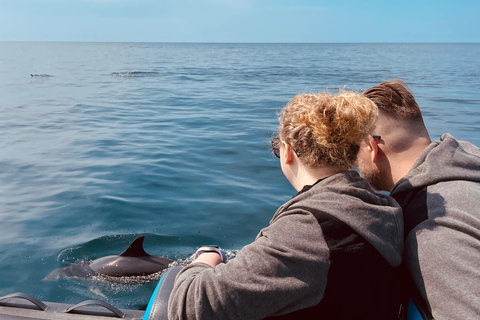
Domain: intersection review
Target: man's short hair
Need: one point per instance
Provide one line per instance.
(395, 98)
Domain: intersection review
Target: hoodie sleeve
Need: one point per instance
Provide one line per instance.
(283, 270)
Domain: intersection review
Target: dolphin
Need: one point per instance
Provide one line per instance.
(132, 262)
(40, 75)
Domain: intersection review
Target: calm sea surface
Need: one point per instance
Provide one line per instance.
(109, 141)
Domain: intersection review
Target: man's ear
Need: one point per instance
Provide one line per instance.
(372, 148)
(287, 153)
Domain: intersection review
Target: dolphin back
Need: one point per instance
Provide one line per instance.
(117, 266)
(134, 261)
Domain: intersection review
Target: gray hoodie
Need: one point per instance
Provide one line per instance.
(286, 267)
(442, 253)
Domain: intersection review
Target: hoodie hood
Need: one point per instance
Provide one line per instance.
(348, 197)
(445, 160)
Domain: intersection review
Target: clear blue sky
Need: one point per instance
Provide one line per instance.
(240, 20)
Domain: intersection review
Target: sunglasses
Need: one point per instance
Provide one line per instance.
(276, 146)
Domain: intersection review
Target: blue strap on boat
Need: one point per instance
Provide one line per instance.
(152, 299)
(412, 312)
(158, 305)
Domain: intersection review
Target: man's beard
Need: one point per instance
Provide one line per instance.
(372, 174)
(374, 178)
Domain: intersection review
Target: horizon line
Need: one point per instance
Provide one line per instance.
(253, 42)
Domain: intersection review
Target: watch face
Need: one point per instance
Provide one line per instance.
(209, 248)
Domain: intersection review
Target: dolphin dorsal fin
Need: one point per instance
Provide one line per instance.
(135, 249)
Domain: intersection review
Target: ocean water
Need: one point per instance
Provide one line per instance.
(108, 141)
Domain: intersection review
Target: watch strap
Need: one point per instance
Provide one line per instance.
(216, 249)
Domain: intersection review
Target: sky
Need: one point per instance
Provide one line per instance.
(240, 20)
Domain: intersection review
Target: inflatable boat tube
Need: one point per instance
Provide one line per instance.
(158, 306)
(21, 306)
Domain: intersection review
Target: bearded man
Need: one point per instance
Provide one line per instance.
(437, 185)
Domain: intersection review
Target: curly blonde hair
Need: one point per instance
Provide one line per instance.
(326, 129)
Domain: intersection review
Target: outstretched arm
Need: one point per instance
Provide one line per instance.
(283, 270)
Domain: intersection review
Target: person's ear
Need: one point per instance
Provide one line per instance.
(287, 153)
(372, 148)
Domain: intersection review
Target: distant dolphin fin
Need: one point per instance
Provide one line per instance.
(135, 249)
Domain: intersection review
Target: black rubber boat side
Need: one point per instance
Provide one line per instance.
(21, 306)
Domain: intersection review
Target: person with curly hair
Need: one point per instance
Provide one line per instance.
(330, 252)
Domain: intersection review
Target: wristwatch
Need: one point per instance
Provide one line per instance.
(216, 249)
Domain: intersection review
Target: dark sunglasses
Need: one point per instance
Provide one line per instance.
(276, 146)
(377, 137)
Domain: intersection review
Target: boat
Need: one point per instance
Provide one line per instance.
(20, 306)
